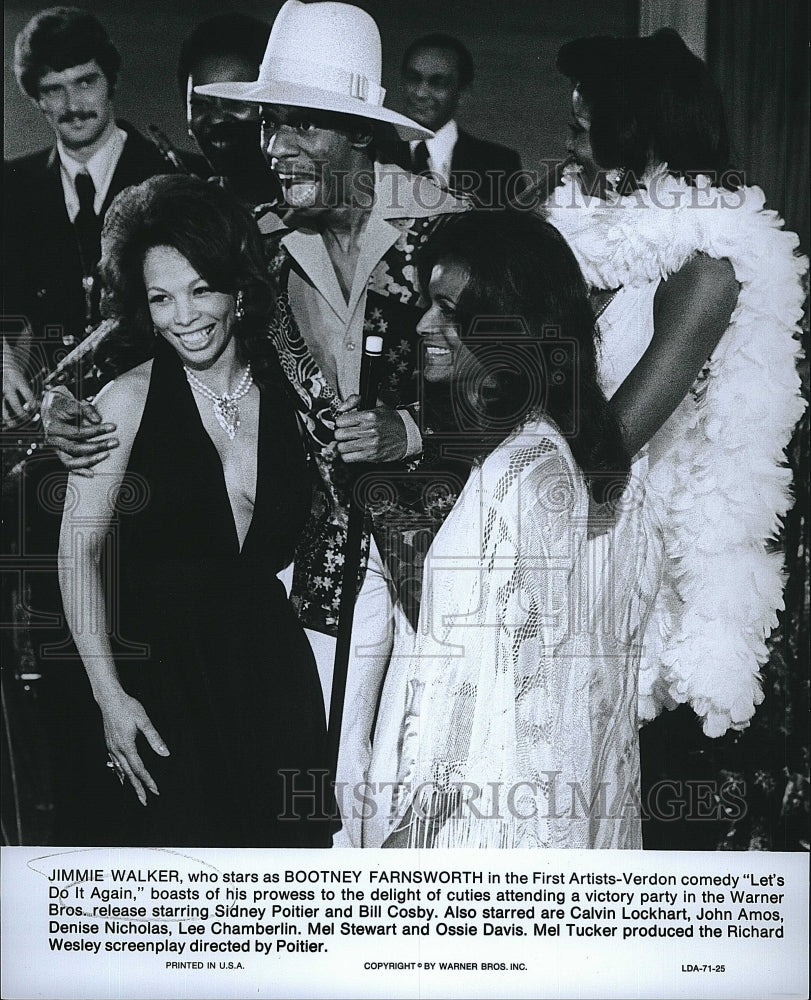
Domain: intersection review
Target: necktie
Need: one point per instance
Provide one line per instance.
(87, 223)
(419, 157)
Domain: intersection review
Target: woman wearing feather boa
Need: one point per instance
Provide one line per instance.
(700, 291)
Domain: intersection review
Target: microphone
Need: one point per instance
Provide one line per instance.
(370, 371)
(62, 373)
(167, 150)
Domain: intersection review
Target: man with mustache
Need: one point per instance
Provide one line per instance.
(54, 201)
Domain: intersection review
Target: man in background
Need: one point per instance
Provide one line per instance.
(54, 200)
(225, 49)
(436, 71)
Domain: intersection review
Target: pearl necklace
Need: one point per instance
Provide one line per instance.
(225, 407)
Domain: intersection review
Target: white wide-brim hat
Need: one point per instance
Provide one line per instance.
(325, 56)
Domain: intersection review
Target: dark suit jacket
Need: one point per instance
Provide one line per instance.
(42, 271)
(486, 170)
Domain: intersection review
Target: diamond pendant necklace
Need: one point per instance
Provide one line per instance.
(225, 406)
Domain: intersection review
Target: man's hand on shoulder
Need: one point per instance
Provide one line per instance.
(75, 430)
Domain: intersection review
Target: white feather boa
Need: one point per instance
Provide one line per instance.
(721, 485)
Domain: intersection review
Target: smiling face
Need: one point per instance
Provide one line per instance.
(445, 357)
(431, 86)
(77, 104)
(194, 319)
(226, 131)
(313, 153)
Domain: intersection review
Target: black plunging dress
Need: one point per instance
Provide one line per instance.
(229, 679)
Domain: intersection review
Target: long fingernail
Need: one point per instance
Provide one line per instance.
(113, 443)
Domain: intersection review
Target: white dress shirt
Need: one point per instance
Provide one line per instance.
(101, 167)
(440, 149)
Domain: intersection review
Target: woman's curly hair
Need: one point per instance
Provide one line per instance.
(211, 229)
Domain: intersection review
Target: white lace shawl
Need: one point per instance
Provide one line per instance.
(522, 683)
(721, 484)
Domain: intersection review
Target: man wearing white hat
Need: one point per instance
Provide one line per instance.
(321, 109)
(344, 252)
(343, 258)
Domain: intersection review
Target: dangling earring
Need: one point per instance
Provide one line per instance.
(615, 177)
(239, 308)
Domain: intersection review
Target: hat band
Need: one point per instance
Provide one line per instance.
(307, 74)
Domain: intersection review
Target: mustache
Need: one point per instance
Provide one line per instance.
(76, 116)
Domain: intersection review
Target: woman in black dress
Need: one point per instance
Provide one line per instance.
(207, 687)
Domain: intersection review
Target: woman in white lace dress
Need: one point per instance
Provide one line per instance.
(698, 288)
(508, 719)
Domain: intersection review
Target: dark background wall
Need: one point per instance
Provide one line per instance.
(759, 55)
(517, 98)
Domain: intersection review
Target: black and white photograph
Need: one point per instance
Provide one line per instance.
(405, 448)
